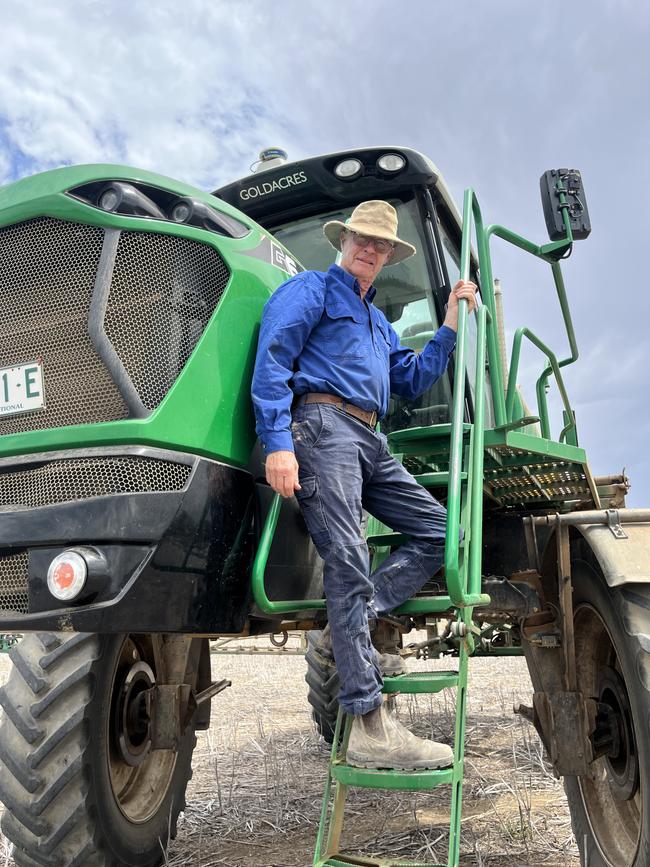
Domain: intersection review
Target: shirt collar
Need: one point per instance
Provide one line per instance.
(350, 281)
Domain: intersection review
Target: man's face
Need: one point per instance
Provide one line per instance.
(361, 259)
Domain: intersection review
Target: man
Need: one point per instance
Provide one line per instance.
(327, 362)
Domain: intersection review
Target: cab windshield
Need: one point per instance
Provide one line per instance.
(404, 294)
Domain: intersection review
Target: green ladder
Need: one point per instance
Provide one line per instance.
(341, 775)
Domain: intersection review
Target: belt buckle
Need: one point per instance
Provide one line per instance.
(373, 419)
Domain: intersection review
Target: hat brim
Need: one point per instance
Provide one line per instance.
(402, 249)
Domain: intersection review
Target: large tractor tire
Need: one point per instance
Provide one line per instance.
(611, 811)
(323, 681)
(80, 787)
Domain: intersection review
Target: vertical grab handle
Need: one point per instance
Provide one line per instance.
(259, 569)
(458, 588)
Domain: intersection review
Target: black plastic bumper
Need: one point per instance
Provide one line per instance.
(177, 561)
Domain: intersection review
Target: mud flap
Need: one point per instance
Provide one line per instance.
(565, 722)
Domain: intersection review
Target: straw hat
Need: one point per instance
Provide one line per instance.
(376, 219)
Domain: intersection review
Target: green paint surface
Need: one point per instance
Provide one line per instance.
(208, 410)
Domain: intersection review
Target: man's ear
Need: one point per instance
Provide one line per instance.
(342, 236)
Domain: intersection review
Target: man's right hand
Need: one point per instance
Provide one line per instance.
(463, 290)
(282, 473)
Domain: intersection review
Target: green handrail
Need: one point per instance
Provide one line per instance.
(259, 568)
(497, 374)
(465, 589)
(476, 477)
(455, 586)
(542, 405)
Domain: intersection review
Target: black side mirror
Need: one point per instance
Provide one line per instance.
(562, 190)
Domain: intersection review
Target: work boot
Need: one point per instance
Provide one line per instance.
(390, 664)
(377, 740)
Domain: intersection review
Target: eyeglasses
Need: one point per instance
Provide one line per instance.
(380, 245)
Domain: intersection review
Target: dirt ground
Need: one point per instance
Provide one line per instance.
(255, 796)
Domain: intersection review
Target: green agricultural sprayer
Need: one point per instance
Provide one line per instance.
(137, 524)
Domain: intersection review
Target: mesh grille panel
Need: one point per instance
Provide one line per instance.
(526, 479)
(155, 316)
(565, 484)
(14, 571)
(46, 282)
(80, 479)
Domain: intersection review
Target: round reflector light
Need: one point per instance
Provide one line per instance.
(348, 168)
(67, 575)
(391, 162)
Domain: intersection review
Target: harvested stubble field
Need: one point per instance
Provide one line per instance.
(255, 796)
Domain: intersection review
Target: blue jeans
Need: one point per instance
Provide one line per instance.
(345, 467)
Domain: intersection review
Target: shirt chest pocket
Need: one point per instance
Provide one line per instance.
(382, 339)
(346, 331)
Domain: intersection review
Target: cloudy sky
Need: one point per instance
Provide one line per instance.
(494, 92)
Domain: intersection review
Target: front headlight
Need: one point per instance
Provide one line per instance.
(391, 163)
(121, 198)
(148, 202)
(348, 169)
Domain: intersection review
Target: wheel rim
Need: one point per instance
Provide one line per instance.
(613, 799)
(139, 777)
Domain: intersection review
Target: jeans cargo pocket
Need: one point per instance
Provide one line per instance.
(311, 506)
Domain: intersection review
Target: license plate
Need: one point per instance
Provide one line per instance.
(21, 388)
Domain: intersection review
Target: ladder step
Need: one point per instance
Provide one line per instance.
(421, 681)
(421, 436)
(389, 538)
(435, 480)
(415, 434)
(350, 861)
(369, 778)
(426, 605)
(435, 604)
(342, 861)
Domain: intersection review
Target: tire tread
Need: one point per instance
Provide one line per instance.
(54, 814)
(32, 678)
(323, 681)
(626, 611)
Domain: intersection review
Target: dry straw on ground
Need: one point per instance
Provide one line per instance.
(255, 797)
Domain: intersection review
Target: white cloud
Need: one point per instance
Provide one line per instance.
(161, 86)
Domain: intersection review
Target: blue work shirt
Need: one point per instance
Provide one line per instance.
(319, 335)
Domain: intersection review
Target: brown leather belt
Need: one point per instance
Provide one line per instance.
(364, 415)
